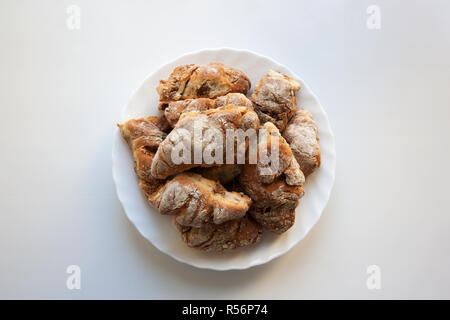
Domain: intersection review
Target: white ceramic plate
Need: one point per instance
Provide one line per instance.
(158, 229)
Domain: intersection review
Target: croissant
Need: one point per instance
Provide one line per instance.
(152, 127)
(302, 135)
(229, 235)
(274, 98)
(195, 201)
(236, 99)
(276, 219)
(184, 135)
(174, 109)
(274, 203)
(283, 163)
(210, 81)
(275, 193)
(144, 135)
(271, 194)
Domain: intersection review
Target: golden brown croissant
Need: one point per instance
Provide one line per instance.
(235, 99)
(285, 163)
(272, 194)
(275, 193)
(229, 235)
(144, 135)
(210, 81)
(276, 219)
(303, 137)
(151, 127)
(184, 135)
(196, 201)
(174, 109)
(274, 203)
(275, 98)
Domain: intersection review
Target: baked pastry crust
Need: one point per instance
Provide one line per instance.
(287, 164)
(268, 195)
(148, 128)
(209, 81)
(229, 235)
(275, 98)
(174, 109)
(195, 201)
(275, 219)
(302, 134)
(143, 136)
(160, 122)
(229, 117)
(275, 195)
(235, 99)
(273, 204)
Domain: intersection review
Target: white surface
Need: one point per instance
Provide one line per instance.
(159, 230)
(386, 94)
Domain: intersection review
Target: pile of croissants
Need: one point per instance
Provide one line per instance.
(220, 206)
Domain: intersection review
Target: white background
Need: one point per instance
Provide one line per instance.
(387, 94)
